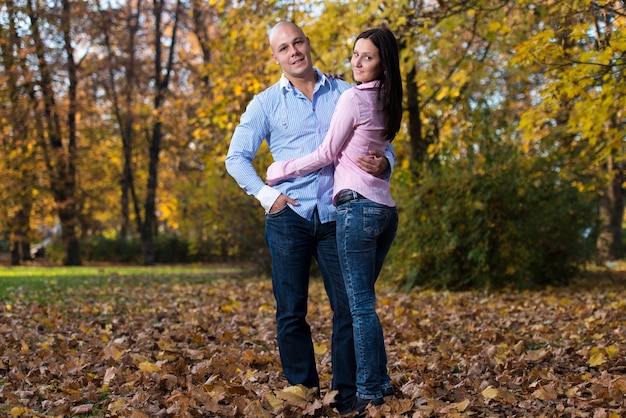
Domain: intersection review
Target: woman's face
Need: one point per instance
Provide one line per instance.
(366, 64)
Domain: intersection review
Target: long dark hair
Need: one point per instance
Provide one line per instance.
(390, 79)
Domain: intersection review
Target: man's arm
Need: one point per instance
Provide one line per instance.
(246, 140)
(378, 164)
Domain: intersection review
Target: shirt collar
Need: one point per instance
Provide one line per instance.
(368, 85)
(285, 84)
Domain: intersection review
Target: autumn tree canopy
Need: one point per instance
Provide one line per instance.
(116, 116)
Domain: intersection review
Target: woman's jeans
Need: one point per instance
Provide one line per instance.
(365, 231)
(293, 241)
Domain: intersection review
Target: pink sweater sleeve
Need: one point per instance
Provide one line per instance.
(341, 127)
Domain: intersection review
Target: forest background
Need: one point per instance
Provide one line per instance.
(116, 116)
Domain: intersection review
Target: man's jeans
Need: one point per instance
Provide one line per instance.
(365, 231)
(293, 241)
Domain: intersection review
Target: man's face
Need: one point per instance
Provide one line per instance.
(291, 50)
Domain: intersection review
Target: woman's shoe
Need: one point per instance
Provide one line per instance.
(358, 405)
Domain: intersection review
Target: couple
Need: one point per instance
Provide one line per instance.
(327, 196)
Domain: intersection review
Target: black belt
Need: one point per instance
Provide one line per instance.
(345, 196)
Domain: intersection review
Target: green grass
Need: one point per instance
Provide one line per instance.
(37, 281)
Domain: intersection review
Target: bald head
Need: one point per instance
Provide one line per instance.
(292, 51)
(282, 28)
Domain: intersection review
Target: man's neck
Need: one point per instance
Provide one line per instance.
(306, 85)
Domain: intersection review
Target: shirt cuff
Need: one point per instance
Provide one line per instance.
(267, 196)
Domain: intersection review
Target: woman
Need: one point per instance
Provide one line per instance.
(366, 119)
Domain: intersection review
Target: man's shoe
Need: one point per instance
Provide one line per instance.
(388, 393)
(357, 405)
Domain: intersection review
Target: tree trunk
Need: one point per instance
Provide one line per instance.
(162, 79)
(68, 235)
(61, 161)
(17, 251)
(150, 219)
(19, 179)
(123, 107)
(418, 145)
(609, 242)
(20, 232)
(68, 211)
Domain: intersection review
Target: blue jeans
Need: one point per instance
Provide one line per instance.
(293, 242)
(365, 231)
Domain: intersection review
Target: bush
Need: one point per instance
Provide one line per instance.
(502, 221)
(168, 249)
(113, 250)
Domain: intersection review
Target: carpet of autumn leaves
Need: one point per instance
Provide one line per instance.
(155, 347)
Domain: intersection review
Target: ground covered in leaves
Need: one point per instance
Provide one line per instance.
(205, 347)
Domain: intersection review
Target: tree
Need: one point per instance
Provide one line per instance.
(122, 70)
(17, 147)
(57, 139)
(579, 57)
(129, 82)
(161, 77)
(154, 106)
(226, 71)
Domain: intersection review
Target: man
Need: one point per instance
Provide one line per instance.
(292, 116)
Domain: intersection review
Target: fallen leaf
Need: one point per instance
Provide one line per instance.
(81, 409)
(275, 402)
(537, 355)
(112, 351)
(612, 351)
(545, 393)
(294, 395)
(17, 411)
(320, 349)
(456, 407)
(109, 375)
(116, 406)
(597, 359)
(149, 367)
(490, 392)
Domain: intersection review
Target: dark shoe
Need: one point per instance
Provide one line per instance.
(388, 393)
(357, 405)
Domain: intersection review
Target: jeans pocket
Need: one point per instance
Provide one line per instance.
(277, 214)
(374, 220)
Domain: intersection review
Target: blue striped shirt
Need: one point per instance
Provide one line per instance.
(293, 126)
